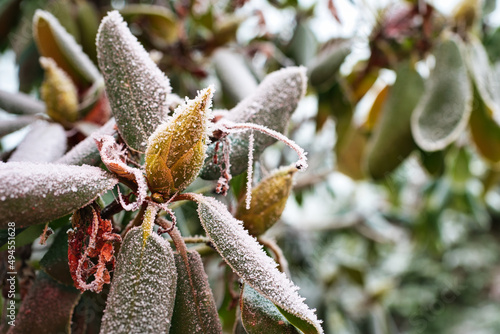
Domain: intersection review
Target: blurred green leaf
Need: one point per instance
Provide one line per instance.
(13, 124)
(443, 112)
(55, 261)
(303, 45)
(34, 193)
(21, 104)
(322, 70)
(142, 293)
(87, 19)
(194, 310)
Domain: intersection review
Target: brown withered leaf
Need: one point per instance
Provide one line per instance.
(176, 150)
(90, 251)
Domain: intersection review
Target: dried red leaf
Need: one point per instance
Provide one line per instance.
(90, 251)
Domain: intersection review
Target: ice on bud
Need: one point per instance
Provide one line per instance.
(176, 150)
(268, 201)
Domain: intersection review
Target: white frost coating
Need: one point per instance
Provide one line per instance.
(86, 152)
(113, 156)
(45, 142)
(247, 259)
(236, 79)
(136, 88)
(67, 44)
(248, 197)
(143, 289)
(32, 193)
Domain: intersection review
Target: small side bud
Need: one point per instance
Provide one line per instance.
(176, 150)
(268, 201)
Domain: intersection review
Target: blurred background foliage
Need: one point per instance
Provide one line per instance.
(394, 228)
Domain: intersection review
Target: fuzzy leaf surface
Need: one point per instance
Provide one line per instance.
(248, 260)
(20, 103)
(136, 88)
(142, 293)
(195, 310)
(176, 150)
(271, 105)
(46, 142)
(259, 315)
(47, 308)
(55, 42)
(34, 193)
(392, 140)
(443, 111)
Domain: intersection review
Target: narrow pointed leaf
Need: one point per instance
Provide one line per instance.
(136, 88)
(268, 201)
(20, 103)
(13, 124)
(176, 150)
(443, 112)
(236, 79)
(47, 308)
(55, 42)
(247, 259)
(34, 193)
(271, 105)
(392, 140)
(195, 310)
(86, 151)
(142, 293)
(303, 45)
(259, 315)
(46, 142)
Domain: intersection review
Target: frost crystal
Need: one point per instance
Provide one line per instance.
(136, 88)
(45, 142)
(33, 193)
(246, 257)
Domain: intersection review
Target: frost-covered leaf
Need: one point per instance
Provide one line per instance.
(55, 261)
(86, 151)
(13, 124)
(176, 150)
(21, 104)
(236, 79)
(271, 105)
(55, 42)
(392, 140)
(33, 193)
(443, 111)
(195, 310)
(158, 22)
(247, 259)
(322, 70)
(268, 201)
(59, 93)
(46, 142)
(136, 88)
(259, 315)
(47, 308)
(142, 293)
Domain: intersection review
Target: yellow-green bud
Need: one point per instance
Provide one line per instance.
(268, 201)
(176, 150)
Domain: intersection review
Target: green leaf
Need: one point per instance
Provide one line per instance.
(55, 261)
(159, 23)
(303, 45)
(55, 42)
(271, 105)
(247, 259)
(392, 141)
(21, 104)
(195, 310)
(34, 193)
(47, 308)
(350, 152)
(10, 125)
(136, 88)
(142, 293)
(87, 18)
(322, 70)
(443, 112)
(236, 79)
(86, 151)
(259, 315)
(46, 142)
